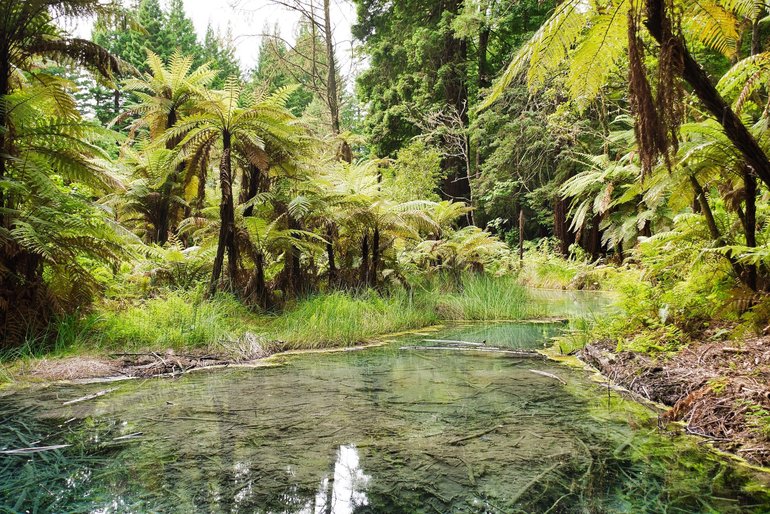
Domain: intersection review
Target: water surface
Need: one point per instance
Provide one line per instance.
(379, 430)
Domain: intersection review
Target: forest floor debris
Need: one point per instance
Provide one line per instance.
(248, 348)
(718, 390)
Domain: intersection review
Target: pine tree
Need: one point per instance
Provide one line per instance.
(271, 72)
(220, 52)
(179, 33)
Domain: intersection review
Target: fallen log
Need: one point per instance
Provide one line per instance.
(487, 349)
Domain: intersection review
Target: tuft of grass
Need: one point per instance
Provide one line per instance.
(346, 318)
(181, 319)
(343, 319)
(177, 320)
(482, 297)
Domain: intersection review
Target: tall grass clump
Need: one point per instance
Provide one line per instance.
(346, 318)
(65, 335)
(178, 319)
(484, 297)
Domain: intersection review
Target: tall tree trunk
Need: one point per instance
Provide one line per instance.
(454, 56)
(375, 257)
(344, 152)
(696, 76)
(227, 221)
(561, 227)
(483, 60)
(364, 269)
(330, 254)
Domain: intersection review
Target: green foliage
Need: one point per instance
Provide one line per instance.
(176, 320)
(758, 419)
(219, 50)
(346, 319)
(414, 173)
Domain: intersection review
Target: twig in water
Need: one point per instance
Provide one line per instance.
(532, 482)
(549, 375)
(129, 436)
(36, 449)
(469, 343)
(89, 396)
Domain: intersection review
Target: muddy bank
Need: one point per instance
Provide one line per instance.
(718, 390)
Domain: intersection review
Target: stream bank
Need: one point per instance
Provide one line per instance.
(717, 390)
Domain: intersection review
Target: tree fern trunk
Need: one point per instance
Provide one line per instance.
(750, 224)
(364, 269)
(261, 288)
(713, 229)
(330, 255)
(227, 221)
(375, 257)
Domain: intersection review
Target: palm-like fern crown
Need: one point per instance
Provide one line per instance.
(261, 131)
(54, 171)
(27, 33)
(166, 93)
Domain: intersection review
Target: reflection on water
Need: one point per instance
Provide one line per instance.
(572, 304)
(380, 430)
(345, 493)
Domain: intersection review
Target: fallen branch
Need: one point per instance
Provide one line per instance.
(208, 357)
(469, 343)
(516, 353)
(89, 396)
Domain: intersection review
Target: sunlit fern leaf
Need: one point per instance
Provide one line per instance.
(747, 9)
(745, 78)
(597, 55)
(712, 25)
(546, 50)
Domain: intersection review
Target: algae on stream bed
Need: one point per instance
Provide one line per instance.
(377, 430)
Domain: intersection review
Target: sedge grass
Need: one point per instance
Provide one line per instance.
(185, 319)
(343, 319)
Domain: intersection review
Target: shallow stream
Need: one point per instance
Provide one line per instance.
(385, 429)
